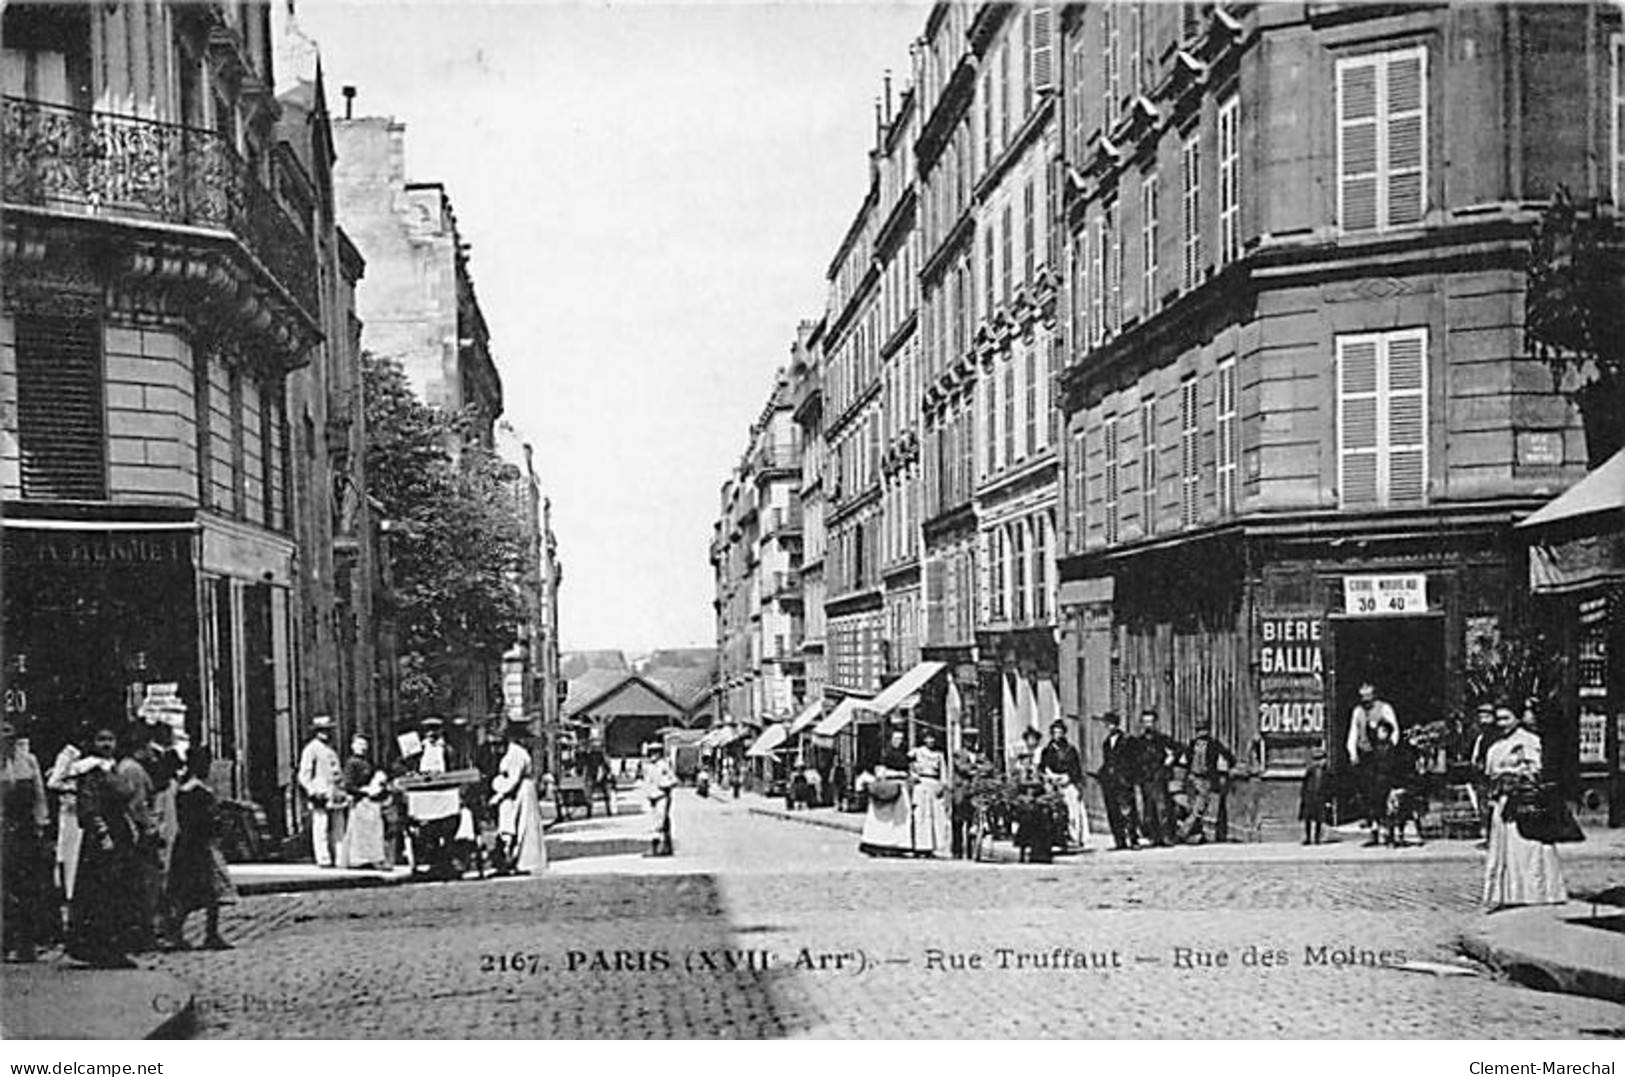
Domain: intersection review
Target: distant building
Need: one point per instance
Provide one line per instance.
(417, 302)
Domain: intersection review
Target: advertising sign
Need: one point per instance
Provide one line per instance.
(1385, 596)
(1291, 667)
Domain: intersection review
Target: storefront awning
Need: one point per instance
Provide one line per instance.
(837, 719)
(909, 683)
(1598, 494)
(12, 523)
(807, 717)
(773, 736)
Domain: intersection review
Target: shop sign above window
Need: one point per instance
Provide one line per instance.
(1385, 596)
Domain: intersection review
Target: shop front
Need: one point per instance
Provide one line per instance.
(1577, 580)
(97, 610)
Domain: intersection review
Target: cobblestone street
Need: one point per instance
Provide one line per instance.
(760, 928)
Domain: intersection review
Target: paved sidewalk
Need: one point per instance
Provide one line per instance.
(1576, 948)
(56, 999)
(1345, 845)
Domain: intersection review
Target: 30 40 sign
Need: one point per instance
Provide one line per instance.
(1385, 596)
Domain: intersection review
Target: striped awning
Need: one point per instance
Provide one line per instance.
(773, 736)
(838, 719)
(807, 717)
(893, 695)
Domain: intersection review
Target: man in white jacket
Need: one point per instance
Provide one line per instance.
(321, 776)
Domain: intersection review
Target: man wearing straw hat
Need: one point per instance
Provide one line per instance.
(321, 776)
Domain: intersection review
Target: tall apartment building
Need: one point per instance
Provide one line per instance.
(756, 558)
(175, 325)
(853, 422)
(1301, 417)
(896, 254)
(945, 154)
(807, 377)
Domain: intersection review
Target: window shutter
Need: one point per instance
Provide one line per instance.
(1112, 482)
(1357, 443)
(60, 429)
(1406, 417)
(1405, 120)
(1357, 144)
(1043, 52)
(1189, 470)
(1616, 83)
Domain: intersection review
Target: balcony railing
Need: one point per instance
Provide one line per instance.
(111, 166)
(770, 457)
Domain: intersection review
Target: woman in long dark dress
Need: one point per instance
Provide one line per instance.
(198, 878)
(106, 894)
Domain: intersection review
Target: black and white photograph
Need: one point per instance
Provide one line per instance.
(768, 520)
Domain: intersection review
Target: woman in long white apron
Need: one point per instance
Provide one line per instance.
(1517, 871)
(519, 813)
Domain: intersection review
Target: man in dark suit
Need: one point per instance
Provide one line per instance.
(1154, 753)
(1117, 783)
(1209, 763)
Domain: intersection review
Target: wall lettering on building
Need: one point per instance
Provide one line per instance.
(94, 548)
(1291, 664)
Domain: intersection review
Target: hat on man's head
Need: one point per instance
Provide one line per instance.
(432, 722)
(322, 721)
(1031, 733)
(1057, 724)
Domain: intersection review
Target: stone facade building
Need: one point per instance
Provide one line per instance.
(175, 335)
(1301, 418)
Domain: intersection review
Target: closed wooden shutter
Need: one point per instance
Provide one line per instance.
(1357, 419)
(1406, 441)
(1043, 49)
(1189, 463)
(1405, 128)
(1357, 161)
(61, 430)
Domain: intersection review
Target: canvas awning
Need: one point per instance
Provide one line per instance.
(773, 736)
(1598, 494)
(903, 687)
(807, 717)
(837, 719)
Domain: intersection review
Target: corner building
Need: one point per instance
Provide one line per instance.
(1300, 415)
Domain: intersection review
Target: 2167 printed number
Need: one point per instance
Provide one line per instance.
(517, 961)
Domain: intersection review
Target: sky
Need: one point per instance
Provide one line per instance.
(653, 193)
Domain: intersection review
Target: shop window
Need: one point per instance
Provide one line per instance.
(61, 433)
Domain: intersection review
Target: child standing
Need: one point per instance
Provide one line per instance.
(198, 878)
(1312, 798)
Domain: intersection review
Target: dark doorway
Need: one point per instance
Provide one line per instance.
(259, 692)
(1402, 657)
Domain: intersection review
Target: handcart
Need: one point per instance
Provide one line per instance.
(442, 839)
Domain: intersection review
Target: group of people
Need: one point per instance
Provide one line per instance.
(361, 817)
(130, 849)
(1159, 791)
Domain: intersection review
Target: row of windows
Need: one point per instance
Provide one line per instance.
(1020, 560)
(853, 646)
(241, 434)
(853, 561)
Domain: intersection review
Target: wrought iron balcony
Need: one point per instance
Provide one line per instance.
(124, 168)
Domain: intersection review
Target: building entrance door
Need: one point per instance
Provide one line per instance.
(1402, 657)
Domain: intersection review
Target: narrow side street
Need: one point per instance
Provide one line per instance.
(726, 939)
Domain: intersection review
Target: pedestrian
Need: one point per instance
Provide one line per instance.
(1367, 714)
(736, 777)
(1038, 829)
(1391, 768)
(198, 878)
(162, 762)
(888, 824)
(1486, 736)
(435, 813)
(1063, 769)
(1517, 870)
(71, 764)
(519, 812)
(146, 919)
(1312, 797)
(659, 782)
(365, 788)
(321, 776)
(815, 785)
(1117, 777)
(929, 822)
(23, 864)
(970, 768)
(1154, 753)
(1208, 763)
(107, 890)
